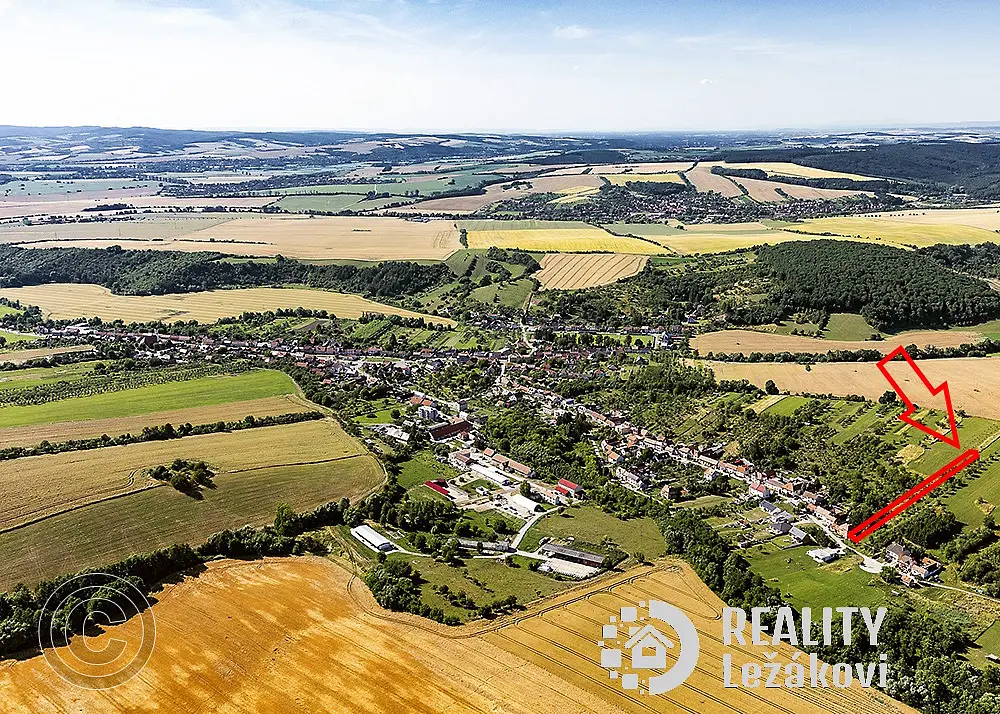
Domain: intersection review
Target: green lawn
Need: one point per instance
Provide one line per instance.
(493, 580)
(972, 432)
(805, 583)
(12, 338)
(846, 326)
(423, 467)
(787, 406)
(382, 415)
(986, 643)
(205, 391)
(984, 489)
(7, 310)
(588, 524)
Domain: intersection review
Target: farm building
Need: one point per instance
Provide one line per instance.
(372, 538)
(438, 486)
(594, 560)
(484, 546)
(568, 488)
(524, 506)
(445, 430)
(491, 473)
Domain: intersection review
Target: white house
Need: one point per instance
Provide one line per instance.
(649, 638)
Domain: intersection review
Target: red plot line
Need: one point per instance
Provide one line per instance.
(879, 519)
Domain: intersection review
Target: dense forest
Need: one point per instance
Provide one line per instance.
(891, 288)
(152, 272)
(982, 260)
(942, 167)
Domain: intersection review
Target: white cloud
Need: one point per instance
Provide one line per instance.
(572, 32)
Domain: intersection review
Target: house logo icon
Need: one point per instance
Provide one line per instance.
(647, 647)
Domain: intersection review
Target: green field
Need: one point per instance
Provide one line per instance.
(807, 584)
(38, 376)
(58, 189)
(511, 294)
(205, 391)
(7, 310)
(588, 524)
(846, 326)
(972, 432)
(106, 532)
(336, 202)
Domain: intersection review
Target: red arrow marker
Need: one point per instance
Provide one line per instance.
(952, 439)
(898, 506)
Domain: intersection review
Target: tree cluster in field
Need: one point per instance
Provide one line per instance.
(644, 202)
(156, 433)
(891, 288)
(153, 272)
(186, 476)
(551, 449)
(515, 256)
(22, 609)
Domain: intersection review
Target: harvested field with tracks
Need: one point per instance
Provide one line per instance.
(971, 380)
(40, 486)
(67, 301)
(704, 180)
(21, 356)
(85, 509)
(567, 271)
(310, 634)
(748, 341)
(347, 237)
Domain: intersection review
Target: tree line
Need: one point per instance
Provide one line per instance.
(153, 272)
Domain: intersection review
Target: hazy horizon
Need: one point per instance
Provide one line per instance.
(477, 67)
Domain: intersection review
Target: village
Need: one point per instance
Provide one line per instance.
(773, 505)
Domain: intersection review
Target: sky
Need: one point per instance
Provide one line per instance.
(553, 66)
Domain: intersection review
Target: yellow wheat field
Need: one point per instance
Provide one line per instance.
(704, 180)
(67, 301)
(898, 232)
(567, 271)
(345, 237)
(560, 638)
(783, 168)
(748, 341)
(971, 380)
(552, 237)
(309, 633)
